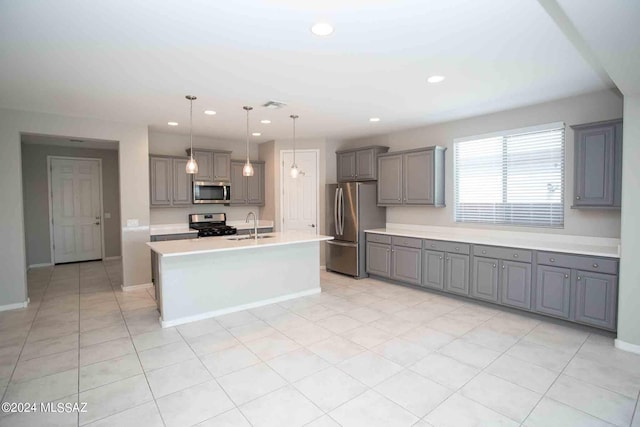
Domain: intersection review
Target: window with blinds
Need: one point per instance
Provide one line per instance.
(512, 177)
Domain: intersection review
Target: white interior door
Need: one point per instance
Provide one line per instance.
(300, 195)
(76, 209)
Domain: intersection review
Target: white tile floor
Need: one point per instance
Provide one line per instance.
(362, 353)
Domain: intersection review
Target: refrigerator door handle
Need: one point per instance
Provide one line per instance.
(341, 212)
(336, 207)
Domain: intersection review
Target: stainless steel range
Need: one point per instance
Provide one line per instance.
(213, 224)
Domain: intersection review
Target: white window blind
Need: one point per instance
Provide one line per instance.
(514, 177)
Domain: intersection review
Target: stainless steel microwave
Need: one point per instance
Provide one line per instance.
(211, 192)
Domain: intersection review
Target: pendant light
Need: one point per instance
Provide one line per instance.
(295, 171)
(192, 166)
(247, 170)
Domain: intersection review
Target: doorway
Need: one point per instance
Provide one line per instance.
(299, 201)
(75, 209)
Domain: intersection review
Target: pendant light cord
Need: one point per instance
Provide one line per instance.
(191, 126)
(247, 135)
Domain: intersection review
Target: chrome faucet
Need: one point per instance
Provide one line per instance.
(255, 224)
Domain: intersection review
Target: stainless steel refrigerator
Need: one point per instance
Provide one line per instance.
(351, 209)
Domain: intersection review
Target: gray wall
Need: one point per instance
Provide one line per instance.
(587, 108)
(36, 200)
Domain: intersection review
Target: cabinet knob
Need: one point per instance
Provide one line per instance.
(579, 277)
(552, 260)
(577, 197)
(515, 255)
(566, 276)
(494, 266)
(484, 252)
(595, 265)
(440, 257)
(503, 267)
(457, 249)
(433, 245)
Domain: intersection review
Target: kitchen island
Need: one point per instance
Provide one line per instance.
(207, 277)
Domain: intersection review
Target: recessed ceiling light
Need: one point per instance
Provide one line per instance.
(322, 29)
(265, 121)
(210, 112)
(435, 79)
(256, 134)
(374, 119)
(172, 123)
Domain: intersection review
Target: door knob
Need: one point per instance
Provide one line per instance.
(312, 225)
(97, 223)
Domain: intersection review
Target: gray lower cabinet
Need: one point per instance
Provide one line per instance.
(553, 291)
(169, 183)
(378, 259)
(515, 284)
(485, 279)
(406, 264)
(596, 299)
(433, 269)
(598, 164)
(457, 273)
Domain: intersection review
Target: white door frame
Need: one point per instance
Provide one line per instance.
(50, 196)
(285, 170)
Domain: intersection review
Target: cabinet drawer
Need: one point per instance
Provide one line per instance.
(580, 262)
(379, 238)
(407, 241)
(502, 253)
(452, 247)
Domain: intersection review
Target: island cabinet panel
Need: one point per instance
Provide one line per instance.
(255, 185)
(181, 183)
(221, 166)
(204, 159)
(553, 291)
(485, 279)
(418, 178)
(379, 259)
(346, 166)
(359, 164)
(516, 284)
(390, 180)
(169, 183)
(161, 171)
(457, 273)
(407, 264)
(597, 171)
(433, 269)
(595, 300)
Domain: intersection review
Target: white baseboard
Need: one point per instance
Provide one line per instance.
(216, 313)
(136, 287)
(111, 258)
(14, 306)
(44, 264)
(622, 345)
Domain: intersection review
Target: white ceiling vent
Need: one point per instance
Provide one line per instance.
(274, 105)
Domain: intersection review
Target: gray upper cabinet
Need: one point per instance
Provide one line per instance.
(414, 177)
(213, 166)
(485, 279)
(457, 273)
(553, 291)
(160, 181)
(247, 190)
(596, 299)
(390, 180)
(359, 164)
(169, 183)
(598, 165)
(406, 264)
(515, 279)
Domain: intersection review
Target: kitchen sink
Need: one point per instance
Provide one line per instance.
(260, 236)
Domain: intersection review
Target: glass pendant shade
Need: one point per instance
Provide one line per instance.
(294, 171)
(192, 166)
(247, 170)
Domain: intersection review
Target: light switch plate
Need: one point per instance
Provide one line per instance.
(133, 223)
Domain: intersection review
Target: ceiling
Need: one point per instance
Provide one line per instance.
(135, 61)
(30, 138)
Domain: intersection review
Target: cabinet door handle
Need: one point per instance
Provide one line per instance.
(579, 277)
(566, 276)
(515, 255)
(494, 266)
(552, 260)
(577, 197)
(440, 257)
(595, 265)
(457, 249)
(484, 252)
(503, 267)
(433, 245)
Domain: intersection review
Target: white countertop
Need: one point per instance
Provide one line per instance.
(223, 243)
(584, 245)
(164, 229)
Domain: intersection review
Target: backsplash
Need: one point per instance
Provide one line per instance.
(180, 215)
